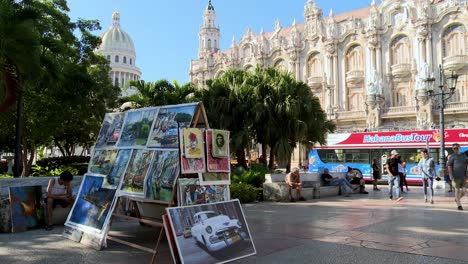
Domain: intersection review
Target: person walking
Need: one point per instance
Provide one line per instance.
(402, 174)
(457, 171)
(393, 177)
(447, 176)
(376, 175)
(427, 170)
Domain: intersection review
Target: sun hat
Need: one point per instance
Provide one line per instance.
(394, 152)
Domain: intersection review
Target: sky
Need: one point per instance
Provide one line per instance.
(165, 33)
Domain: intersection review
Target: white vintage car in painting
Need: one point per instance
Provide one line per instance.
(215, 231)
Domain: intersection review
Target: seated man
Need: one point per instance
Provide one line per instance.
(329, 180)
(59, 192)
(353, 178)
(293, 179)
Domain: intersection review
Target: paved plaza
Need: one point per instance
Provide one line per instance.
(360, 229)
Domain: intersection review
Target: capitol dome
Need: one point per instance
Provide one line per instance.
(117, 46)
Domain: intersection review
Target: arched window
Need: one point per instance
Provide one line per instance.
(354, 59)
(209, 43)
(124, 59)
(215, 44)
(246, 51)
(402, 97)
(454, 40)
(130, 61)
(314, 65)
(116, 58)
(108, 57)
(280, 65)
(248, 67)
(401, 50)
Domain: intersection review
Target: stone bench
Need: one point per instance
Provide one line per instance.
(60, 214)
(275, 189)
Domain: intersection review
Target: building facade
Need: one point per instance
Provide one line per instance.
(117, 46)
(366, 66)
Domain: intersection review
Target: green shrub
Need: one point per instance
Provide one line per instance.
(246, 193)
(37, 170)
(255, 176)
(56, 162)
(5, 176)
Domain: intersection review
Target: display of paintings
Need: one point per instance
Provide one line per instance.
(190, 165)
(170, 238)
(164, 133)
(216, 164)
(102, 161)
(191, 192)
(26, 208)
(214, 178)
(211, 233)
(193, 142)
(221, 143)
(110, 130)
(137, 126)
(92, 207)
(113, 178)
(134, 177)
(162, 176)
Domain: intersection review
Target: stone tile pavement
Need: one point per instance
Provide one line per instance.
(360, 229)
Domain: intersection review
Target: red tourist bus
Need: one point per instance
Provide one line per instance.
(357, 150)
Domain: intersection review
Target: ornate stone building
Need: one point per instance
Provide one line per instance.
(366, 66)
(117, 46)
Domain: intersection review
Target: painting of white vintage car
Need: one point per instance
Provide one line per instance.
(215, 231)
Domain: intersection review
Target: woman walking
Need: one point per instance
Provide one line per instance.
(402, 172)
(376, 174)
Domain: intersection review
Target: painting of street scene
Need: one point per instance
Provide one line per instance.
(211, 233)
(191, 192)
(137, 127)
(134, 177)
(219, 163)
(110, 130)
(113, 178)
(165, 130)
(102, 161)
(162, 175)
(26, 208)
(92, 206)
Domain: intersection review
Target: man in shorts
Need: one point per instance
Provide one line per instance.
(293, 179)
(457, 172)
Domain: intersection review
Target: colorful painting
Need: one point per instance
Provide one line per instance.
(102, 161)
(92, 206)
(190, 165)
(215, 164)
(164, 133)
(162, 175)
(214, 178)
(211, 233)
(134, 177)
(110, 130)
(191, 192)
(26, 208)
(112, 180)
(137, 127)
(193, 142)
(221, 143)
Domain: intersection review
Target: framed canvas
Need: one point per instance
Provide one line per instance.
(193, 142)
(220, 138)
(92, 208)
(26, 208)
(137, 127)
(112, 180)
(102, 161)
(162, 175)
(164, 133)
(110, 130)
(170, 238)
(188, 165)
(219, 163)
(211, 233)
(134, 177)
(191, 192)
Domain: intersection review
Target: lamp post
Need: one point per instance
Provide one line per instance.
(442, 96)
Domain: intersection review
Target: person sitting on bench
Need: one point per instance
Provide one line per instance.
(329, 180)
(293, 179)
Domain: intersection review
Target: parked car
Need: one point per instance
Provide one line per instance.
(215, 231)
(187, 232)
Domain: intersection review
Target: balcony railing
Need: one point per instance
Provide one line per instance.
(354, 76)
(455, 62)
(351, 114)
(401, 70)
(400, 111)
(315, 81)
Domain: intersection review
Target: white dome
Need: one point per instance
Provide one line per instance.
(116, 38)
